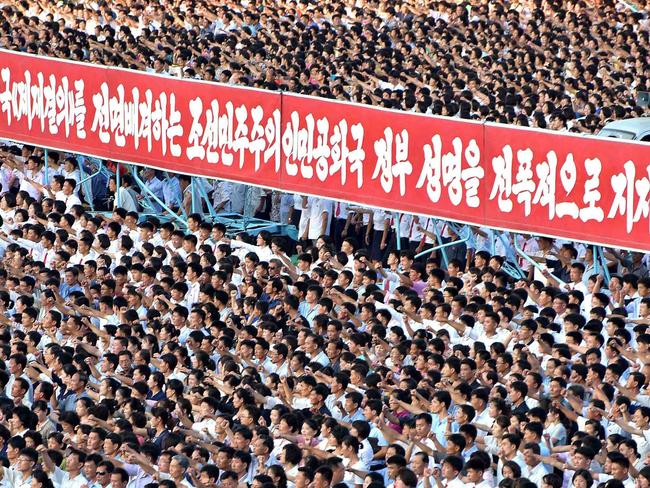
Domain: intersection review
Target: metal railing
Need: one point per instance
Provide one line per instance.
(534, 263)
(156, 199)
(442, 247)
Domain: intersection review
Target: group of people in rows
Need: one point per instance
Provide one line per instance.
(140, 351)
(167, 351)
(568, 66)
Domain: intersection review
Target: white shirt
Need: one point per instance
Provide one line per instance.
(78, 258)
(484, 418)
(286, 202)
(379, 218)
(482, 484)
(321, 358)
(436, 326)
(301, 403)
(303, 224)
(519, 459)
(36, 249)
(330, 403)
(264, 253)
(455, 483)
(127, 200)
(341, 210)
(167, 476)
(318, 207)
(351, 479)
(498, 336)
(61, 479)
(25, 185)
(14, 479)
(70, 201)
(536, 474)
(192, 293)
(156, 187)
(603, 478)
(205, 427)
(579, 286)
(282, 371)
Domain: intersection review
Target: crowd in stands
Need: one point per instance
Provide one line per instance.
(549, 64)
(141, 352)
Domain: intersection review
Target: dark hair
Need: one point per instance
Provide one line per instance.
(43, 478)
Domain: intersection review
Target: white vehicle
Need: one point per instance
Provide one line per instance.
(637, 129)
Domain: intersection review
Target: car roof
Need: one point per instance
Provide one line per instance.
(636, 125)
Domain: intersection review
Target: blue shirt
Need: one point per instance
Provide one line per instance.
(67, 403)
(65, 289)
(304, 310)
(98, 180)
(172, 192)
(358, 415)
(439, 428)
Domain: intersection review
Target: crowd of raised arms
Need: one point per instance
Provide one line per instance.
(139, 352)
(165, 351)
(559, 65)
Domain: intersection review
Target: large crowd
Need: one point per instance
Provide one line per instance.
(559, 65)
(141, 352)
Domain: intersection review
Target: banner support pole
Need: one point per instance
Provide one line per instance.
(441, 247)
(144, 187)
(601, 261)
(440, 244)
(521, 274)
(118, 183)
(193, 193)
(398, 238)
(47, 165)
(533, 262)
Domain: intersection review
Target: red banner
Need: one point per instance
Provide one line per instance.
(398, 160)
(531, 181)
(582, 188)
(162, 121)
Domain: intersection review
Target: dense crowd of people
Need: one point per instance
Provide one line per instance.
(140, 352)
(548, 64)
(150, 351)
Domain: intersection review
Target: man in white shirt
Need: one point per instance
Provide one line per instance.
(508, 452)
(84, 253)
(155, 186)
(313, 348)
(393, 83)
(72, 477)
(576, 281)
(20, 474)
(279, 364)
(479, 401)
(194, 270)
(206, 427)
(70, 197)
(320, 211)
(450, 471)
(535, 470)
(475, 470)
(489, 333)
(127, 195)
(33, 173)
(619, 470)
